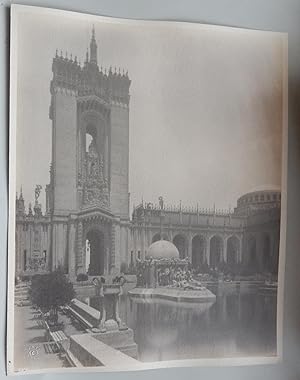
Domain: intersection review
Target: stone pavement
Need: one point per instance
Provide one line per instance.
(32, 350)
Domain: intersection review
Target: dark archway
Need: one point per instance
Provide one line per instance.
(232, 251)
(198, 251)
(180, 243)
(266, 254)
(95, 243)
(157, 237)
(252, 255)
(216, 250)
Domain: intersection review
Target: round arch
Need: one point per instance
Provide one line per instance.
(215, 251)
(157, 237)
(94, 128)
(179, 241)
(198, 250)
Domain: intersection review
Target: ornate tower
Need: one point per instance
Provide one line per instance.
(93, 48)
(89, 170)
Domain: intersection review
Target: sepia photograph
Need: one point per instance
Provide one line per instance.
(147, 192)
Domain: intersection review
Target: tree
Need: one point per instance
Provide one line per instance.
(49, 291)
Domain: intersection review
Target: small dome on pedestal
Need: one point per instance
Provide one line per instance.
(162, 249)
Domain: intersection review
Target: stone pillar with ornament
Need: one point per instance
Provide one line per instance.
(79, 249)
(112, 330)
(72, 250)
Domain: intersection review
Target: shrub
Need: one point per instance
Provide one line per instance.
(50, 291)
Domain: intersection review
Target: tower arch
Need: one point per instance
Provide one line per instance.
(95, 252)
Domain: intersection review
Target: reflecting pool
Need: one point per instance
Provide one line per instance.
(238, 323)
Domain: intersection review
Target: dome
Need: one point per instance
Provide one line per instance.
(258, 197)
(162, 249)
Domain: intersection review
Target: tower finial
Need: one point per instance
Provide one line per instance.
(93, 47)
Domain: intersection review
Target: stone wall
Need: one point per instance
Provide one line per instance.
(119, 200)
(92, 353)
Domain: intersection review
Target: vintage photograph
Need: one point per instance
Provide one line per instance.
(147, 193)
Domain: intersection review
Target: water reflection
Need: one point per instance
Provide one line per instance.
(237, 324)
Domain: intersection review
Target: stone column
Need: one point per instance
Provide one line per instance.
(111, 256)
(189, 247)
(115, 257)
(107, 259)
(49, 253)
(79, 263)
(240, 248)
(54, 246)
(207, 239)
(204, 258)
(143, 242)
(133, 245)
(71, 251)
(224, 249)
(259, 251)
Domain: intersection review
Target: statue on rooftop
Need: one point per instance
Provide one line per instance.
(37, 192)
(161, 202)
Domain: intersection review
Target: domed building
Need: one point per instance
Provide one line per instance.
(258, 200)
(162, 249)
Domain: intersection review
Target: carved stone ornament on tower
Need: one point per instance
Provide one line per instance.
(37, 206)
(95, 187)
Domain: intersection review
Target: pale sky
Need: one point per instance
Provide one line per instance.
(205, 108)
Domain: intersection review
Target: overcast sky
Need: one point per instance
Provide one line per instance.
(205, 108)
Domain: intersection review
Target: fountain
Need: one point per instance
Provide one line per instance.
(164, 275)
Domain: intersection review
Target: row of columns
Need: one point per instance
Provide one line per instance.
(222, 249)
(142, 238)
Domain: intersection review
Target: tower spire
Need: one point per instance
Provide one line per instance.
(93, 47)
